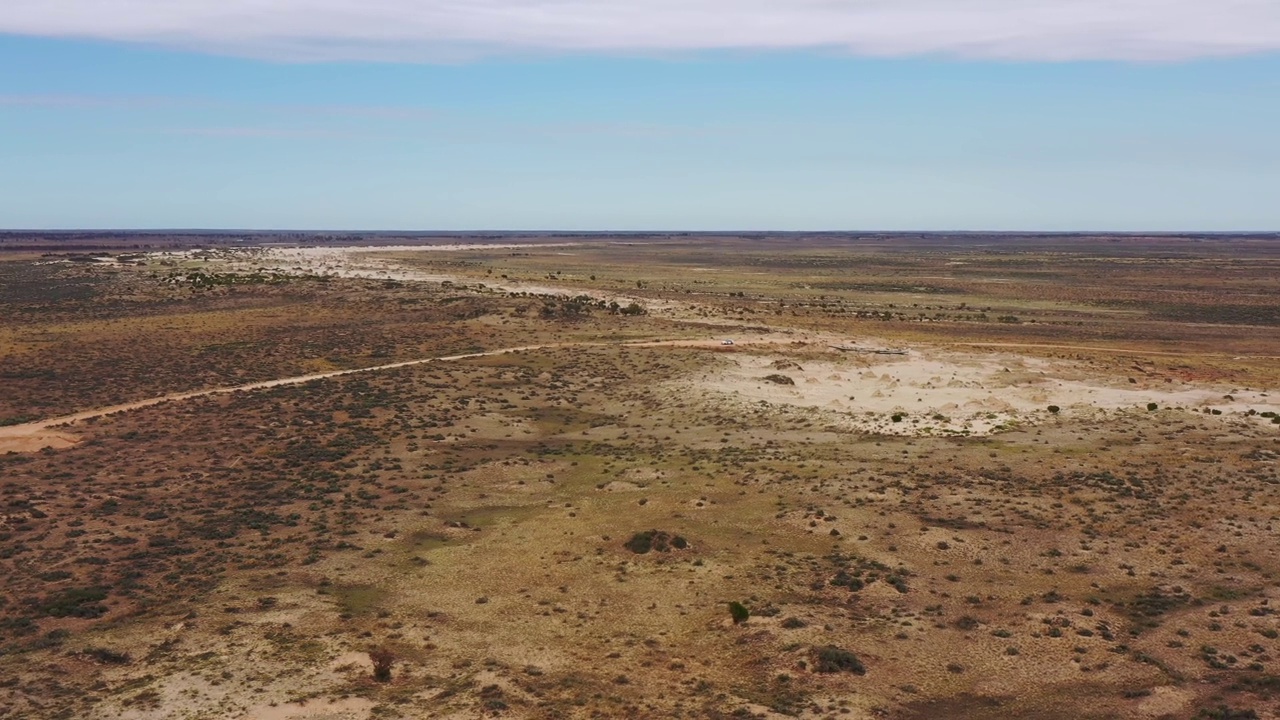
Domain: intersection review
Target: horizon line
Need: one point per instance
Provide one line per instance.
(606, 232)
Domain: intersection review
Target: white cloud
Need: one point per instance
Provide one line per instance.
(1139, 30)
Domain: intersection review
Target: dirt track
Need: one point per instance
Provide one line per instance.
(34, 436)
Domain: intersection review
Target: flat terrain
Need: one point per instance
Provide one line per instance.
(960, 477)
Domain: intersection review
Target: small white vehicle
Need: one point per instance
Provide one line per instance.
(726, 342)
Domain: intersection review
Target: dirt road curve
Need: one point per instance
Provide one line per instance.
(30, 437)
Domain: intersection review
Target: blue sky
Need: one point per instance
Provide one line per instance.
(121, 133)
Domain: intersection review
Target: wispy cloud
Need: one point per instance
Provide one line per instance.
(260, 132)
(86, 102)
(129, 102)
(1139, 30)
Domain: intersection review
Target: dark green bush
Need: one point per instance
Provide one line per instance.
(831, 659)
(76, 602)
(656, 540)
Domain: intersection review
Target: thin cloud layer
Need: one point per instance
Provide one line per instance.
(1135, 30)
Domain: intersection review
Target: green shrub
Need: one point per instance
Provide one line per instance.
(107, 656)
(76, 602)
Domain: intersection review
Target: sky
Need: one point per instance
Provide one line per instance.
(1128, 115)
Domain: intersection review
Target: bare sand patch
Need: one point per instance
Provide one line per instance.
(24, 440)
(940, 392)
(1166, 701)
(348, 709)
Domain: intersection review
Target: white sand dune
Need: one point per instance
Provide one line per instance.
(942, 392)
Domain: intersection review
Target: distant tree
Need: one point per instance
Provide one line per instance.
(1054, 409)
(738, 612)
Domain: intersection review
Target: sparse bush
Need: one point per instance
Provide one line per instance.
(831, 659)
(107, 656)
(382, 659)
(656, 540)
(1222, 712)
(738, 612)
(1055, 409)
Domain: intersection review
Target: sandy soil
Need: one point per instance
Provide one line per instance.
(949, 392)
(25, 438)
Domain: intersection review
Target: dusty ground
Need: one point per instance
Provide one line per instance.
(253, 475)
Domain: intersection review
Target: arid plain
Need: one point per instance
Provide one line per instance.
(963, 476)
